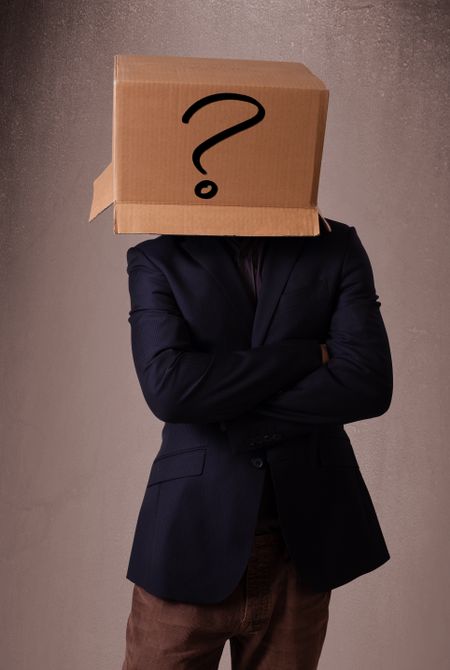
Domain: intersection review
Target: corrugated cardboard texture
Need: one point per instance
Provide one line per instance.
(266, 176)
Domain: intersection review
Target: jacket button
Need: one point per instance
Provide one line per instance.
(257, 462)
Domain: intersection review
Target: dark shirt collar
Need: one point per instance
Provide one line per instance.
(240, 243)
(238, 240)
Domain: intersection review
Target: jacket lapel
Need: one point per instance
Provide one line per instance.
(281, 254)
(210, 252)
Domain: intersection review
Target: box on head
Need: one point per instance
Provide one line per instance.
(208, 146)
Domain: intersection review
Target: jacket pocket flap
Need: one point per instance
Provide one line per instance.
(181, 464)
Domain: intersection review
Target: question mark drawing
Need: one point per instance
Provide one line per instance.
(219, 137)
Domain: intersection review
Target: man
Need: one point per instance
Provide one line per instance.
(254, 353)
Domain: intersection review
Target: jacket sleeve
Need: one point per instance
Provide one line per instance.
(181, 384)
(355, 384)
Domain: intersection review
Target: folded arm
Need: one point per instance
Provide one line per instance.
(180, 384)
(356, 383)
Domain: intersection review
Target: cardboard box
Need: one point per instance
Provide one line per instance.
(208, 146)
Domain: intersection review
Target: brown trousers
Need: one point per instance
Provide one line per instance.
(272, 620)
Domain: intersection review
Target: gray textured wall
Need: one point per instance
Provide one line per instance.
(77, 437)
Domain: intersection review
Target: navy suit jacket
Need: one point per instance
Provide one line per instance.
(239, 392)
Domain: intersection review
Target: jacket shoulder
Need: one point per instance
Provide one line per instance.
(338, 227)
(157, 248)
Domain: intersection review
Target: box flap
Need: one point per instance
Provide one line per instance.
(102, 196)
(167, 219)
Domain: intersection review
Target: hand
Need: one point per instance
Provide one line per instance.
(325, 355)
